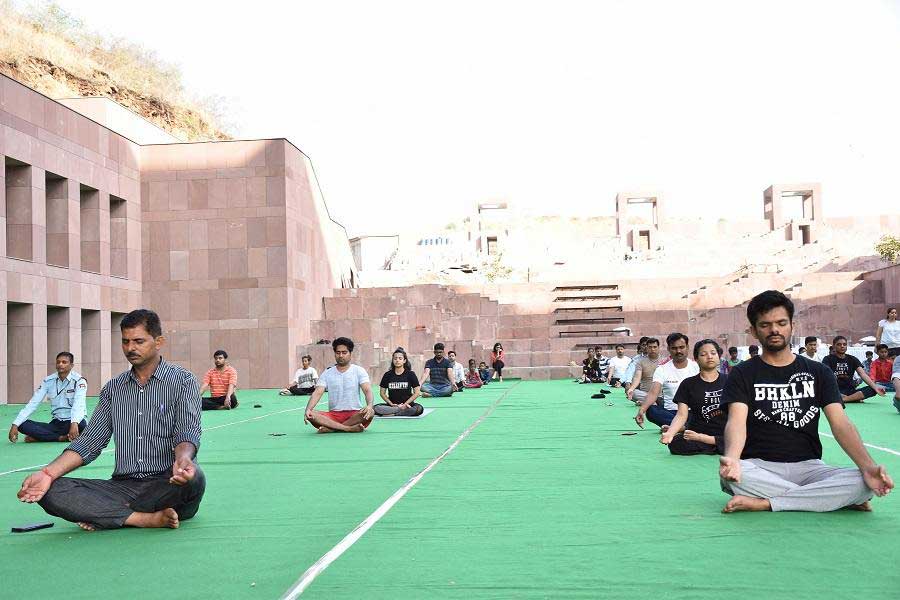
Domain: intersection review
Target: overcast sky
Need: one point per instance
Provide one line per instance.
(419, 110)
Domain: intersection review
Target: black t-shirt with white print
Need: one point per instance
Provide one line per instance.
(399, 387)
(704, 399)
(784, 407)
(844, 370)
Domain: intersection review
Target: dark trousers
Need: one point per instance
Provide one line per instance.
(684, 447)
(498, 365)
(386, 410)
(218, 402)
(296, 390)
(48, 432)
(615, 381)
(660, 416)
(107, 503)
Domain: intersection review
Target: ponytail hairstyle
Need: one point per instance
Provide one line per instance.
(406, 365)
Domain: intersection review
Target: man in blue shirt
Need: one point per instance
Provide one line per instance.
(66, 391)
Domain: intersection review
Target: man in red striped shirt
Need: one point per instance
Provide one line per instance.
(221, 382)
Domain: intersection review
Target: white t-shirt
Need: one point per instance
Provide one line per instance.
(306, 378)
(670, 378)
(459, 373)
(343, 388)
(619, 366)
(890, 332)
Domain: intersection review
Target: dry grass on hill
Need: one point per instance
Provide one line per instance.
(56, 54)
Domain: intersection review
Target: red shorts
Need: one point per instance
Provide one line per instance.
(342, 415)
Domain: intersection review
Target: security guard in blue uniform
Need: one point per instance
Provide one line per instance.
(66, 391)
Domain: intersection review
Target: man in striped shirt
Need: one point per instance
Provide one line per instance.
(152, 411)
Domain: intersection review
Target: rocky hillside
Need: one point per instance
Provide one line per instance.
(57, 55)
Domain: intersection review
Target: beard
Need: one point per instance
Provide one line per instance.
(771, 345)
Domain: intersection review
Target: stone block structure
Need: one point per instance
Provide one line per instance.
(231, 242)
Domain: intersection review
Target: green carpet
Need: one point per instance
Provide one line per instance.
(545, 499)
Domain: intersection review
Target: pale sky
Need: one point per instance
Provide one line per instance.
(419, 110)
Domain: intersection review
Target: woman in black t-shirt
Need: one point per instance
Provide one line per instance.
(699, 410)
(399, 389)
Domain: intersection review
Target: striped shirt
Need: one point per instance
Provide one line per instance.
(146, 423)
(218, 381)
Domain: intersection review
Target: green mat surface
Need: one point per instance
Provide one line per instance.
(544, 499)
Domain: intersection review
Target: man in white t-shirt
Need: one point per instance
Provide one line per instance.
(343, 383)
(811, 349)
(666, 380)
(304, 379)
(618, 365)
(459, 373)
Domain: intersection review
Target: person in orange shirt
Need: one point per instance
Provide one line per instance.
(882, 367)
(221, 382)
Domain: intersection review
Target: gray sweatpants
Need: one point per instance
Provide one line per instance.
(107, 503)
(809, 485)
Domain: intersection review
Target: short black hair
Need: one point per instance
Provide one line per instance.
(674, 337)
(306, 356)
(342, 341)
(439, 346)
(732, 349)
(68, 355)
(753, 349)
(144, 317)
(810, 339)
(643, 340)
(622, 346)
(650, 340)
(702, 343)
(880, 346)
(221, 353)
(766, 301)
(453, 352)
(839, 338)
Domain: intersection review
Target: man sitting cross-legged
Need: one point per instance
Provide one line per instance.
(666, 379)
(773, 453)
(66, 390)
(438, 378)
(152, 412)
(642, 376)
(459, 372)
(304, 379)
(343, 382)
(399, 389)
(845, 366)
(221, 381)
(699, 406)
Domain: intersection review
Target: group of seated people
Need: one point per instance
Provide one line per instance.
(761, 418)
(761, 415)
(399, 387)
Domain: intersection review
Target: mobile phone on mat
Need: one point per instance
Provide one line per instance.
(31, 527)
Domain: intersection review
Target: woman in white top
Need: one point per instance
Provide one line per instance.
(889, 332)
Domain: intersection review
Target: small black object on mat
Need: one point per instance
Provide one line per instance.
(31, 527)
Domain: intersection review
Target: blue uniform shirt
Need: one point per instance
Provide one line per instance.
(67, 398)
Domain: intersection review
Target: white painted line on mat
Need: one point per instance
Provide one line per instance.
(205, 429)
(894, 452)
(351, 538)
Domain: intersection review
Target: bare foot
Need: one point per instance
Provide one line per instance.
(161, 518)
(864, 507)
(87, 526)
(324, 429)
(746, 503)
(358, 428)
(29, 439)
